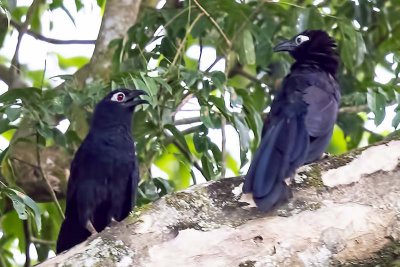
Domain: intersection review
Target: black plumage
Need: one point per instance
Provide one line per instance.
(104, 173)
(300, 124)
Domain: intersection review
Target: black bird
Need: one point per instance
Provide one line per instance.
(300, 124)
(104, 173)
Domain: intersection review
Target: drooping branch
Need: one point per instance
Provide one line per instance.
(344, 210)
(43, 38)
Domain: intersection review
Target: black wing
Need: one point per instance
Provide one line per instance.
(289, 135)
(102, 185)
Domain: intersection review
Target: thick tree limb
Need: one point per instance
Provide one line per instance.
(345, 210)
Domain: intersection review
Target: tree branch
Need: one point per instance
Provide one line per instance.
(183, 42)
(228, 42)
(27, 234)
(43, 175)
(187, 121)
(40, 37)
(354, 109)
(343, 212)
(223, 147)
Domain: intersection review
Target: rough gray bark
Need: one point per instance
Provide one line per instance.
(345, 211)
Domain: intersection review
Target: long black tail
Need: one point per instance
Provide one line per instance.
(71, 234)
(283, 148)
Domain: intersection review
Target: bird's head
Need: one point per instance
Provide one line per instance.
(312, 45)
(117, 107)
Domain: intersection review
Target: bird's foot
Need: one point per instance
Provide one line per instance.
(326, 155)
(90, 228)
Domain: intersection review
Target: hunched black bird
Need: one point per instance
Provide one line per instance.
(104, 173)
(301, 120)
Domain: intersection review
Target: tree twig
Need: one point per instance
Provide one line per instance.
(43, 38)
(217, 59)
(24, 27)
(353, 109)
(243, 73)
(189, 157)
(183, 102)
(223, 147)
(228, 42)
(182, 44)
(187, 121)
(201, 52)
(43, 176)
(42, 242)
(27, 234)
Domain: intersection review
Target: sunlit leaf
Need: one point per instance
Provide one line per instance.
(245, 48)
(376, 103)
(21, 203)
(76, 62)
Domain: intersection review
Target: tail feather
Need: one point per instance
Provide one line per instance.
(279, 193)
(259, 165)
(281, 151)
(71, 234)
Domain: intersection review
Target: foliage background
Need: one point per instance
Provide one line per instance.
(192, 104)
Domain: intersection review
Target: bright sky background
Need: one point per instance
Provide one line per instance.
(36, 53)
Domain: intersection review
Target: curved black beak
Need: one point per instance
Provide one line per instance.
(132, 99)
(287, 45)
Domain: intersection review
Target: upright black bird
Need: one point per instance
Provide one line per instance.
(104, 173)
(300, 124)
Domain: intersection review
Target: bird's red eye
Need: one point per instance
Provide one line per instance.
(120, 97)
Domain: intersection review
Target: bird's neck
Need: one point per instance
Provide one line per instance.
(326, 62)
(118, 127)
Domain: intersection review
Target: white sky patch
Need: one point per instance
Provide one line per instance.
(386, 124)
(356, 24)
(207, 58)
(159, 33)
(390, 58)
(157, 172)
(382, 75)
(3, 87)
(63, 125)
(160, 4)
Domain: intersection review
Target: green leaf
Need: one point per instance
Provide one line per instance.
(21, 202)
(207, 168)
(76, 62)
(13, 113)
(29, 93)
(220, 104)
(151, 85)
(218, 78)
(164, 84)
(245, 48)
(243, 131)
(190, 77)
(396, 119)
(337, 144)
(209, 118)
(78, 4)
(178, 135)
(361, 49)
(5, 125)
(376, 103)
(200, 141)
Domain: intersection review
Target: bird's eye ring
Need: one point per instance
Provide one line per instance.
(118, 97)
(301, 39)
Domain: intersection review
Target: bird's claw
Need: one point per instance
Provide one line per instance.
(90, 228)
